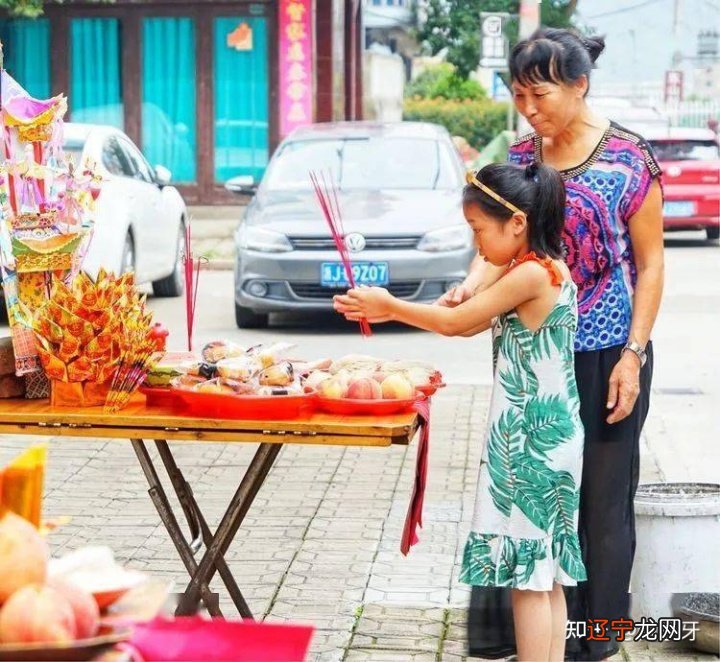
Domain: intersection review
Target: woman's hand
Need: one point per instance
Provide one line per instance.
(455, 296)
(372, 303)
(624, 387)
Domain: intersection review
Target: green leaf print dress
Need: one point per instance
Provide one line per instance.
(524, 530)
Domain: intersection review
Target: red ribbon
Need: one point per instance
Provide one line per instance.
(413, 519)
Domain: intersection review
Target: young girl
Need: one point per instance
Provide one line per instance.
(524, 530)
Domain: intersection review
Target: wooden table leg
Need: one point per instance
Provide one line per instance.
(197, 520)
(232, 519)
(159, 498)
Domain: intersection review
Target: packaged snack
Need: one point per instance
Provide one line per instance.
(270, 354)
(166, 367)
(201, 369)
(241, 368)
(187, 382)
(280, 374)
(225, 386)
(272, 391)
(217, 350)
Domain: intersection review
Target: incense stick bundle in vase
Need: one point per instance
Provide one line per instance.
(329, 204)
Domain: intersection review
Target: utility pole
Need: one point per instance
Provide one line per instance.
(529, 17)
(676, 16)
(529, 22)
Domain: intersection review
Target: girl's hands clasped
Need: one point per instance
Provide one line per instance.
(371, 303)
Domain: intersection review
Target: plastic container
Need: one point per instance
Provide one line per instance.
(678, 544)
(247, 407)
(349, 407)
(159, 397)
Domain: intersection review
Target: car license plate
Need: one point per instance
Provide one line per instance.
(675, 208)
(332, 274)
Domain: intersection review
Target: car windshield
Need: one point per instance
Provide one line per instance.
(74, 147)
(365, 164)
(685, 150)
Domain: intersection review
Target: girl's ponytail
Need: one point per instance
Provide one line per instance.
(546, 217)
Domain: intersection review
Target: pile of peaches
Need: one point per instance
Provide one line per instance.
(356, 377)
(36, 608)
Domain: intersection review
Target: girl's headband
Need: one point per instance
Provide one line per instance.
(471, 178)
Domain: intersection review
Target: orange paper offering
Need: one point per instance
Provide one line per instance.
(22, 484)
(94, 340)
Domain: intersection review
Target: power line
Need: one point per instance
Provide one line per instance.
(624, 9)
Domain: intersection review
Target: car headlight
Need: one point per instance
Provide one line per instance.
(264, 241)
(454, 238)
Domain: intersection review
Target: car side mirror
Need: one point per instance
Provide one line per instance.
(162, 176)
(242, 184)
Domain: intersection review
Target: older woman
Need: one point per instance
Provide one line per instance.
(614, 248)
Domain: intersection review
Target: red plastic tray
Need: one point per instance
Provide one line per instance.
(246, 407)
(159, 397)
(349, 407)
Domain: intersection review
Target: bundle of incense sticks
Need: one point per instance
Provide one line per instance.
(192, 278)
(133, 367)
(328, 198)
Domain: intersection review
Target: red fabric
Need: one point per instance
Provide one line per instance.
(194, 638)
(413, 519)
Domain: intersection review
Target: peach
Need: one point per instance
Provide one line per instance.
(23, 555)
(364, 388)
(397, 387)
(314, 379)
(85, 609)
(331, 388)
(37, 614)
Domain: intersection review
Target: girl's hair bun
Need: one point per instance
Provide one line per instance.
(594, 45)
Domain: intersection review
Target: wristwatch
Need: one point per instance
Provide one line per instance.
(636, 349)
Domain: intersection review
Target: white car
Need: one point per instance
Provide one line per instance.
(140, 219)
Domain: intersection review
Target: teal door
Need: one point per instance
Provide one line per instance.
(95, 79)
(168, 96)
(241, 96)
(26, 46)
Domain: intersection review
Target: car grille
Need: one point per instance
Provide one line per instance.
(372, 243)
(402, 289)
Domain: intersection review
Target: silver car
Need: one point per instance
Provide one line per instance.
(399, 191)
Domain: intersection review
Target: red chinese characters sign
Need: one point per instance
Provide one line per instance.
(296, 61)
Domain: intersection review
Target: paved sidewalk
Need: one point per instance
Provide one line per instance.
(321, 543)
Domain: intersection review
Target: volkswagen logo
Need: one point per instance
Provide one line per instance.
(355, 242)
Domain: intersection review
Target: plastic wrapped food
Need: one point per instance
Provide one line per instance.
(187, 382)
(217, 350)
(225, 386)
(280, 374)
(272, 391)
(241, 368)
(201, 369)
(166, 367)
(355, 362)
(270, 354)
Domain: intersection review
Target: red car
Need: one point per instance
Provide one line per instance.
(690, 159)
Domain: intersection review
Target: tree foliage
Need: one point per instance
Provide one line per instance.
(442, 81)
(454, 26)
(29, 8)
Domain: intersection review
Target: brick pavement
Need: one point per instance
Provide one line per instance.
(321, 542)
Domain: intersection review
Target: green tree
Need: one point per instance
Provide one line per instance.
(29, 8)
(454, 25)
(442, 81)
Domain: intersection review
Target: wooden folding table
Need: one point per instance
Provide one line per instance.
(137, 423)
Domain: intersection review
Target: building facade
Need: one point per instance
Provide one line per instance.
(206, 88)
